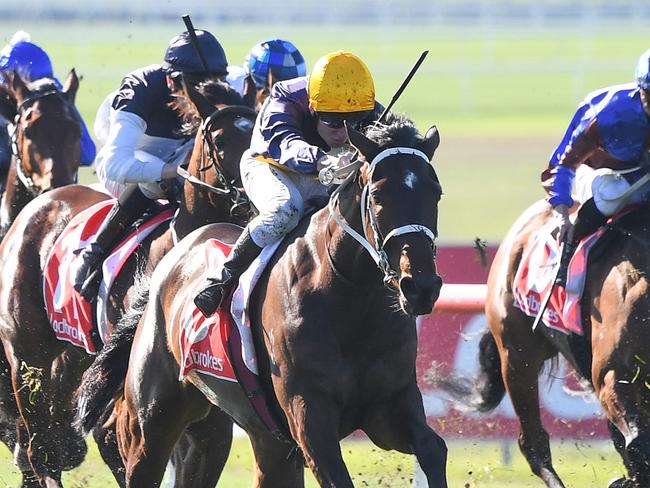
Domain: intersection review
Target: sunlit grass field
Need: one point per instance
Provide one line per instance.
(470, 465)
(501, 97)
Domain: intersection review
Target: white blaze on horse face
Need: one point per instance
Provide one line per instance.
(410, 180)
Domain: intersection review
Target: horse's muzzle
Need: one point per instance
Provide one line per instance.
(420, 293)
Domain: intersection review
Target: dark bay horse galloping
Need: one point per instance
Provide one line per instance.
(336, 340)
(47, 442)
(45, 143)
(612, 355)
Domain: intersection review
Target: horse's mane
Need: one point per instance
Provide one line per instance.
(215, 92)
(395, 130)
(43, 85)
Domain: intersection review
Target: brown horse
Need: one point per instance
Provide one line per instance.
(336, 341)
(45, 371)
(612, 354)
(45, 143)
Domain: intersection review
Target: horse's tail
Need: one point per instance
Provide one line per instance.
(103, 381)
(481, 394)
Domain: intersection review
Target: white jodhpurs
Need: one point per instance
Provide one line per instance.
(279, 196)
(609, 188)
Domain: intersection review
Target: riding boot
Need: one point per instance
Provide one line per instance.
(130, 206)
(243, 253)
(588, 221)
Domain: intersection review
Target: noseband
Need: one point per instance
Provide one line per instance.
(211, 147)
(368, 214)
(24, 178)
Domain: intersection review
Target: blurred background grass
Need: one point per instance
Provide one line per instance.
(501, 98)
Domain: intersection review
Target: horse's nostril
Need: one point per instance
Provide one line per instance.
(408, 287)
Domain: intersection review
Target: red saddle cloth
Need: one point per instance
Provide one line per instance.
(71, 317)
(215, 345)
(534, 279)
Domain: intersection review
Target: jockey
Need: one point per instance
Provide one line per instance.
(611, 129)
(143, 144)
(268, 62)
(32, 63)
(300, 122)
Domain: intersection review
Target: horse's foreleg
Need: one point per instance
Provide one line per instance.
(105, 437)
(32, 387)
(202, 451)
(522, 358)
(621, 403)
(314, 423)
(156, 407)
(401, 424)
(276, 463)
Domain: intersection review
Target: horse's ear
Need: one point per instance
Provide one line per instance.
(17, 87)
(250, 92)
(369, 149)
(71, 85)
(431, 142)
(7, 104)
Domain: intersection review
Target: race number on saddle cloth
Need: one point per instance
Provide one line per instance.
(70, 315)
(534, 277)
(221, 345)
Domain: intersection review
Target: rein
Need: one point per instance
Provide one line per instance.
(211, 148)
(368, 214)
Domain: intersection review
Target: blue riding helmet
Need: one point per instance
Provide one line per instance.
(281, 57)
(643, 71)
(29, 60)
(181, 55)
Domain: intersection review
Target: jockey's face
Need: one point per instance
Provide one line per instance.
(333, 136)
(645, 101)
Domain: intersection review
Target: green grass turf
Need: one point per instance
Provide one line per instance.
(501, 98)
(470, 464)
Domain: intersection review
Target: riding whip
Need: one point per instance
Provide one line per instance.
(195, 42)
(544, 304)
(327, 175)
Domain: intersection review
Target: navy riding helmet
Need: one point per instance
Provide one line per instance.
(181, 55)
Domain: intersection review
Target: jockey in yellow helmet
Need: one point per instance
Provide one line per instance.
(301, 121)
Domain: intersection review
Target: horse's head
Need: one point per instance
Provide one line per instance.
(46, 141)
(223, 126)
(399, 208)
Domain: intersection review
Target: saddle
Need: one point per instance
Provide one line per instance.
(74, 319)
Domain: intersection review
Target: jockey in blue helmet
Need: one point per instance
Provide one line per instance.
(611, 129)
(32, 63)
(143, 141)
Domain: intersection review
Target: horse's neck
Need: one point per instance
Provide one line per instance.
(189, 219)
(350, 261)
(15, 197)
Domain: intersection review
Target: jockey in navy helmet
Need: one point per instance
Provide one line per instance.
(143, 141)
(610, 130)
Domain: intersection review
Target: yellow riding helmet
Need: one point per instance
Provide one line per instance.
(341, 82)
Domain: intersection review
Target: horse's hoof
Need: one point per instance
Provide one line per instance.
(620, 483)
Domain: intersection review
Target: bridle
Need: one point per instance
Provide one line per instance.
(240, 205)
(369, 216)
(24, 178)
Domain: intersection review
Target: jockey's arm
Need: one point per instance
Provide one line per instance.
(118, 154)
(282, 128)
(581, 149)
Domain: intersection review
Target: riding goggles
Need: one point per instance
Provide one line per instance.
(337, 120)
